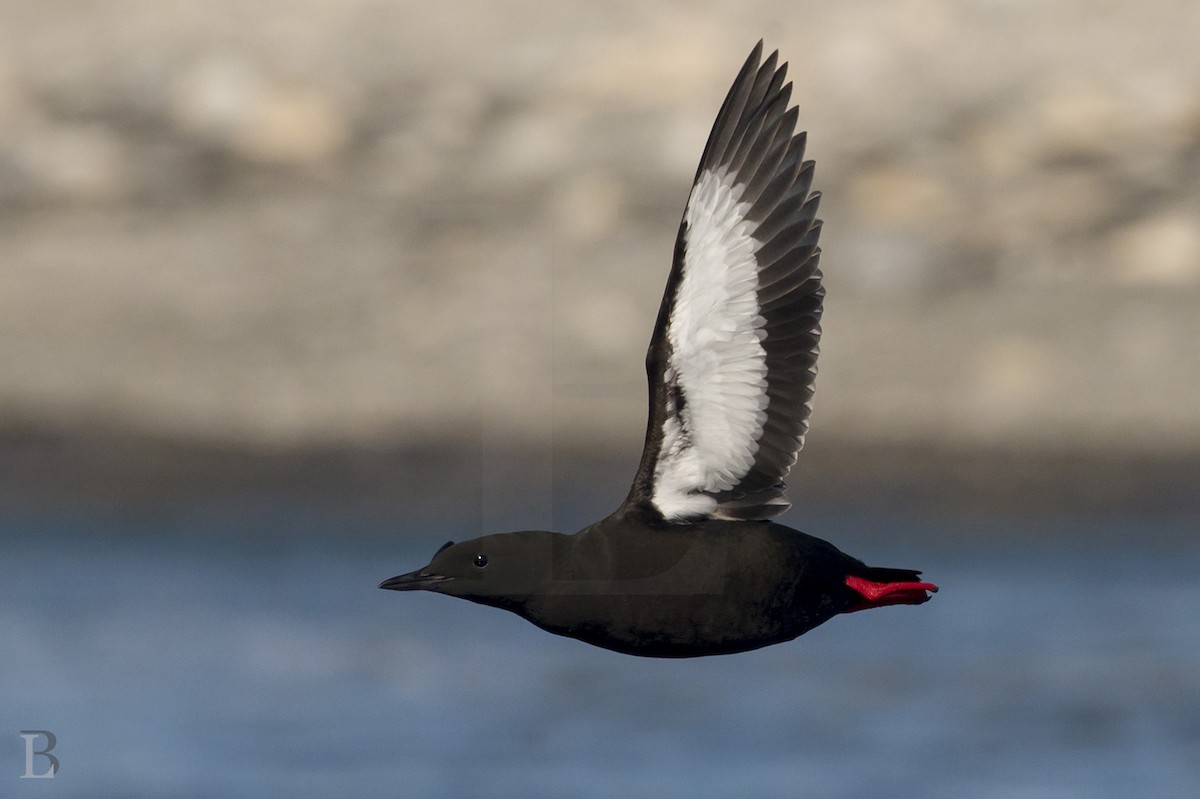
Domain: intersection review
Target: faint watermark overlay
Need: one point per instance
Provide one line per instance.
(31, 751)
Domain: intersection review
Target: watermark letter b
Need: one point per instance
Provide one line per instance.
(30, 737)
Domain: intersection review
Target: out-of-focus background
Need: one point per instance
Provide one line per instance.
(290, 293)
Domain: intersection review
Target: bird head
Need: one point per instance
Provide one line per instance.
(500, 570)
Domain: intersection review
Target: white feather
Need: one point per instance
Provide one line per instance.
(717, 358)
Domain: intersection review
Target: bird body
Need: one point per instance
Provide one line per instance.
(635, 584)
(712, 588)
(691, 563)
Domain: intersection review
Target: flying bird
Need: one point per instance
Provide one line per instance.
(691, 563)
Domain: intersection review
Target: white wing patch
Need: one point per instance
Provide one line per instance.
(717, 374)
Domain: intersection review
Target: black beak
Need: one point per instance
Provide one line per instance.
(413, 581)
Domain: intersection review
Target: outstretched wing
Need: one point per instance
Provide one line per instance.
(732, 361)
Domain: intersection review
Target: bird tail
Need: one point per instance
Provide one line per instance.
(876, 587)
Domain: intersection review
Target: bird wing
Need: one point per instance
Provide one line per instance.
(732, 360)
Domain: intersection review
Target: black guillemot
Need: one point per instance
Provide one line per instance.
(691, 563)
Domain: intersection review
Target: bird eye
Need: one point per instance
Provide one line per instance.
(481, 560)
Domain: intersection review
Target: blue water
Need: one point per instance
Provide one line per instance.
(248, 654)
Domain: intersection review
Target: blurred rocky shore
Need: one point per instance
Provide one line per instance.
(268, 241)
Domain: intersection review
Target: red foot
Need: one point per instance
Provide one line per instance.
(876, 595)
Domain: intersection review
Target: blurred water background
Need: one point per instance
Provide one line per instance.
(243, 654)
(292, 293)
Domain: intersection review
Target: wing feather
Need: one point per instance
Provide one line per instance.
(732, 361)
